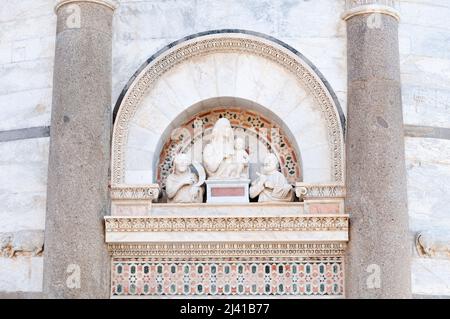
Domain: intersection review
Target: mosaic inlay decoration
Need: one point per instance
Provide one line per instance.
(288, 276)
(247, 123)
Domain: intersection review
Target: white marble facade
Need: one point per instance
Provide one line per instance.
(141, 28)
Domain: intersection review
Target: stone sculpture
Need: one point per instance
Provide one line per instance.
(218, 155)
(271, 185)
(434, 243)
(181, 185)
(25, 241)
(238, 168)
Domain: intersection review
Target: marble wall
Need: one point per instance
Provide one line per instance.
(425, 65)
(314, 28)
(27, 37)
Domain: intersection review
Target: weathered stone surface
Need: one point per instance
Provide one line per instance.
(23, 172)
(430, 276)
(425, 62)
(428, 172)
(79, 157)
(21, 274)
(434, 243)
(24, 241)
(376, 200)
(26, 63)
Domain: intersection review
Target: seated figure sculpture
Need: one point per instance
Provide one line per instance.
(180, 185)
(271, 185)
(218, 155)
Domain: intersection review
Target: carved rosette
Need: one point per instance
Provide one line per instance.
(358, 7)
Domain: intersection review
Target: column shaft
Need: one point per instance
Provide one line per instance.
(76, 262)
(378, 259)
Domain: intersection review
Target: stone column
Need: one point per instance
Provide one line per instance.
(378, 258)
(76, 262)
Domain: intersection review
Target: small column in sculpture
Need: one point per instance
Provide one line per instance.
(181, 184)
(271, 185)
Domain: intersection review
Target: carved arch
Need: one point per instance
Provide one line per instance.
(229, 41)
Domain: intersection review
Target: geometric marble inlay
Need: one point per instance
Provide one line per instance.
(231, 276)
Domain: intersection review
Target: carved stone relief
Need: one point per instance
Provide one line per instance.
(22, 242)
(433, 244)
(220, 43)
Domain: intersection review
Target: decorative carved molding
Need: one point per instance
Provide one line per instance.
(220, 44)
(140, 192)
(319, 191)
(228, 249)
(112, 4)
(357, 7)
(229, 224)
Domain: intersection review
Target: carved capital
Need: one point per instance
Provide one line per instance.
(358, 7)
(112, 4)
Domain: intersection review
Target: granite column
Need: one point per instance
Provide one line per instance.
(76, 261)
(378, 258)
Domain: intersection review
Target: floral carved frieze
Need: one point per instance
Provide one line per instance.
(319, 191)
(141, 192)
(229, 224)
(314, 249)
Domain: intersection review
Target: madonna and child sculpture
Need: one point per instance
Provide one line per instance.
(226, 163)
(224, 157)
